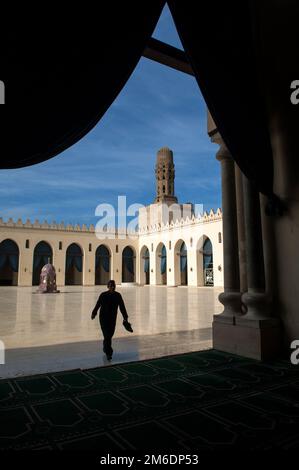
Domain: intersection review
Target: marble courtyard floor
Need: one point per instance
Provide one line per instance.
(48, 333)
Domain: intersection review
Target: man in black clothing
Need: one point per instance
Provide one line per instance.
(108, 303)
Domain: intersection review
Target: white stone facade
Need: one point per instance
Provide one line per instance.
(59, 237)
(171, 246)
(193, 232)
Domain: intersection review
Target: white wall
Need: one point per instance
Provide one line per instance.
(191, 232)
(193, 235)
(53, 237)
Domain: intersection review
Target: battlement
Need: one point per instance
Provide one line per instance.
(184, 222)
(60, 227)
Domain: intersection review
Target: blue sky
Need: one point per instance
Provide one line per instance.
(158, 107)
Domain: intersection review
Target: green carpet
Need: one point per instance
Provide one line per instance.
(205, 401)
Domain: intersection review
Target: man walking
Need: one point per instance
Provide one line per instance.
(108, 303)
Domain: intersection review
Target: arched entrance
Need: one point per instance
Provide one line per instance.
(183, 265)
(128, 264)
(144, 265)
(9, 263)
(42, 255)
(73, 265)
(208, 273)
(102, 265)
(161, 264)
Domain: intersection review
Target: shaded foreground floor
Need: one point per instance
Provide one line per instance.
(47, 332)
(197, 401)
(86, 354)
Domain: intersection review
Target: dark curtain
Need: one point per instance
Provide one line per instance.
(78, 263)
(146, 264)
(103, 258)
(106, 263)
(129, 264)
(37, 261)
(207, 261)
(62, 71)
(98, 261)
(128, 259)
(183, 262)
(42, 253)
(207, 254)
(219, 40)
(183, 257)
(9, 252)
(13, 261)
(3, 258)
(73, 260)
(46, 259)
(163, 264)
(69, 262)
(163, 260)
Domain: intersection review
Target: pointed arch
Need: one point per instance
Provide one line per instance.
(9, 263)
(102, 265)
(161, 264)
(144, 265)
(204, 254)
(128, 264)
(181, 263)
(42, 255)
(208, 262)
(74, 265)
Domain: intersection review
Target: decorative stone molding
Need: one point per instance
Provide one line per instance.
(201, 219)
(178, 223)
(59, 227)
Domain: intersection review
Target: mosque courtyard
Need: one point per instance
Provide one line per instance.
(52, 332)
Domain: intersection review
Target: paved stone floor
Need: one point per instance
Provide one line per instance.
(51, 332)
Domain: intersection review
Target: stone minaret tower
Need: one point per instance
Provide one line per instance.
(165, 176)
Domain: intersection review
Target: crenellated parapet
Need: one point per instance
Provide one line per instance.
(62, 227)
(206, 217)
(46, 225)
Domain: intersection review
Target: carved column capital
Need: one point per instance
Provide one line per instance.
(224, 154)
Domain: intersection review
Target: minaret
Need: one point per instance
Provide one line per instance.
(165, 176)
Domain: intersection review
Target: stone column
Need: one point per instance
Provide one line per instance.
(59, 263)
(241, 229)
(255, 299)
(231, 297)
(25, 265)
(257, 333)
(152, 263)
(171, 264)
(88, 278)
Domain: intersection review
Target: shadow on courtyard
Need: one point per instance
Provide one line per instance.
(87, 354)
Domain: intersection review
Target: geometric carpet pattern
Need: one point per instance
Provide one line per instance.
(206, 400)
